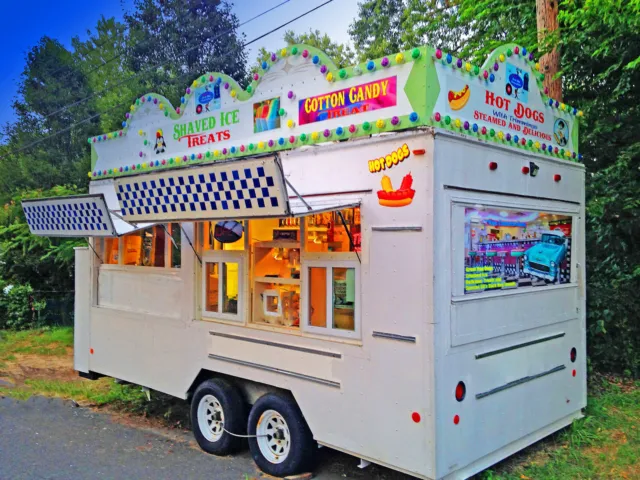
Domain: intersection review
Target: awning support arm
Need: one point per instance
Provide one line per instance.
(190, 244)
(96, 253)
(169, 235)
(346, 228)
(297, 194)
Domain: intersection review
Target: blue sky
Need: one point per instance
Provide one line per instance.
(66, 19)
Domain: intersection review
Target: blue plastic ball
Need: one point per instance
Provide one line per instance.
(371, 65)
(339, 131)
(126, 168)
(315, 59)
(550, 148)
(524, 51)
(492, 78)
(579, 156)
(124, 124)
(449, 58)
(265, 65)
(550, 103)
(475, 127)
(148, 98)
(232, 149)
(281, 141)
(575, 111)
(413, 117)
(157, 163)
(181, 99)
(515, 138)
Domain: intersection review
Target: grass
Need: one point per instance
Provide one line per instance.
(603, 445)
(44, 342)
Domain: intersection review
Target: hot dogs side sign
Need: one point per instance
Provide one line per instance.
(300, 97)
(502, 99)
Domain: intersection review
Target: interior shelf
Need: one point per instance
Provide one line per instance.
(278, 280)
(277, 244)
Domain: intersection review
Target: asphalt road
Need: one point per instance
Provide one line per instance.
(51, 439)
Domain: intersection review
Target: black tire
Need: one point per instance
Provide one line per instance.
(235, 416)
(302, 446)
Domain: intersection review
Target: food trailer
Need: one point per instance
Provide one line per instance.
(386, 259)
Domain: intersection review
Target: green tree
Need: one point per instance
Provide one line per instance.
(50, 81)
(172, 42)
(102, 60)
(341, 54)
(378, 28)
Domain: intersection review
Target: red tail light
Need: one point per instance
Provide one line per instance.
(461, 391)
(573, 354)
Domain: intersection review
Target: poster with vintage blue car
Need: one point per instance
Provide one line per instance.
(543, 260)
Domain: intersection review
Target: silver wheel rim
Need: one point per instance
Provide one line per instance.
(211, 418)
(274, 439)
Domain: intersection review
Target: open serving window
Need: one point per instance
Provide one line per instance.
(276, 264)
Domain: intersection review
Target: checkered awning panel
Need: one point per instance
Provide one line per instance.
(241, 189)
(77, 216)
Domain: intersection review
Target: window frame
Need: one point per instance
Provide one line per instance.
(458, 205)
(223, 256)
(168, 251)
(305, 297)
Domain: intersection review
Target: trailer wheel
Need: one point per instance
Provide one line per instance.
(283, 444)
(216, 409)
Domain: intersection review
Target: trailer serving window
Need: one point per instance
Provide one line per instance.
(156, 246)
(509, 249)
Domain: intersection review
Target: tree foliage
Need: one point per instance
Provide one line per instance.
(341, 54)
(174, 41)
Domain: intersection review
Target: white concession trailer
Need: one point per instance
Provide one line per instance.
(387, 260)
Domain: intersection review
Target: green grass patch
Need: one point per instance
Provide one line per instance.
(604, 444)
(46, 342)
(106, 392)
(100, 392)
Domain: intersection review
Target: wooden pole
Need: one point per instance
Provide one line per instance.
(547, 21)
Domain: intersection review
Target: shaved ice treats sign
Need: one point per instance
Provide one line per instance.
(348, 101)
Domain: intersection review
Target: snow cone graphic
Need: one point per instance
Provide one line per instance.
(266, 116)
(160, 145)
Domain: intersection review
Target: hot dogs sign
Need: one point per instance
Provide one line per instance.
(504, 102)
(389, 196)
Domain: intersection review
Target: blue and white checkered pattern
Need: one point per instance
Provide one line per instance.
(239, 189)
(79, 216)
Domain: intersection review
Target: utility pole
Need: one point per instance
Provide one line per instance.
(547, 22)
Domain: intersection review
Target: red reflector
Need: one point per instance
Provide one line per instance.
(525, 170)
(456, 419)
(557, 177)
(573, 354)
(573, 373)
(493, 165)
(420, 151)
(461, 391)
(415, 416)
(91, 351)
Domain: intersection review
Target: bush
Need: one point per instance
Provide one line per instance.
(20, 309)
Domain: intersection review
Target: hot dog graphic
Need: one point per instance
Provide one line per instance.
(388, 197)
(459, 99)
